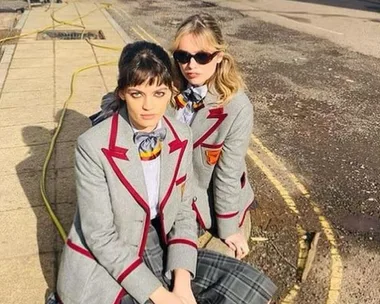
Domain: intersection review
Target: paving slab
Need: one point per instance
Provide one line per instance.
(65, 186)
(94, 93)
(29, 73)
(23, 159)
(82, 81)
(33, 53)
(22, 190)
(62, 54)
(74, 63)
(18, 136)
(67, 73)
(26, 85)
(27, 115)
(64, 155)
(27, 279)
(32, 98)
(37, 46)
(26, 232)
(31, 62)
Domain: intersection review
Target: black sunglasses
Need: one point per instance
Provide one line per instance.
(200, 57)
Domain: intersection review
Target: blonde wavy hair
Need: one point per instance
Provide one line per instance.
(226, 80)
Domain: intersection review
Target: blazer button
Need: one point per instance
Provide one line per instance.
(195, 199)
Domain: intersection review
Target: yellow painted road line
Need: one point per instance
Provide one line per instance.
(291, 296)
(139, 34)
(147, 34)
(336, 274)
(303, 250)
(276, 183)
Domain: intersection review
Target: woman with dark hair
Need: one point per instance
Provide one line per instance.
(134, 236)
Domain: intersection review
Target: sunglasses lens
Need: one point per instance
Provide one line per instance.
(182, 57)
(203, 58)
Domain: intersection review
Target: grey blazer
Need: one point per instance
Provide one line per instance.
(102, 259)
(221, 188)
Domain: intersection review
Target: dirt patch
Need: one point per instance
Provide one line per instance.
(5, 33)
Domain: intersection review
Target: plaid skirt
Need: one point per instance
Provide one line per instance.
(219, 279)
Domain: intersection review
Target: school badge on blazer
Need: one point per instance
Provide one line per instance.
(212, 156)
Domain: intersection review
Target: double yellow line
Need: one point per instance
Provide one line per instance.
(336, 269)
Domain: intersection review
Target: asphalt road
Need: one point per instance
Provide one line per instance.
(317, 109)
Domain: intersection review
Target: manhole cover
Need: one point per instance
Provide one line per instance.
(70, 35)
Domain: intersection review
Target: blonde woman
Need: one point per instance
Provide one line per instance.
(212, 102)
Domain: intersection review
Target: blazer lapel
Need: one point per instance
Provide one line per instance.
(171, 157)
(124, 159)
(207, 120)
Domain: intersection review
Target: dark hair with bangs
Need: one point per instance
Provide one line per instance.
(143, 61)
(139, 62)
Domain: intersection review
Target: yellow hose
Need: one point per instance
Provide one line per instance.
(44, 195)
(52, 146)
(112, 48)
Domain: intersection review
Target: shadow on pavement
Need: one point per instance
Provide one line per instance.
(61, 190)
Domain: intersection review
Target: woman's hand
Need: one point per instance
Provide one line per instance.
(185, 294)
(163, 296)
(238, 243)
(182, 286)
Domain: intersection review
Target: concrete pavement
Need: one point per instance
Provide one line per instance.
(35, 84)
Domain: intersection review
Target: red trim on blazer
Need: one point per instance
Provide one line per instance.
(181, 180)
(114, 151)
(113, 131)
(79, 249)
(183, 241)
(171, 128)
(227, 215)
(134, 194)
(173, 146)
(119, 296)
(244, 214)
(199, 217)
(212, 146)
(213, 113)
(117, 152)
(129, 269)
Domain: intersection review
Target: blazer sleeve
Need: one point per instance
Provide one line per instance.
(182, 238)
(98, 227)
(228, 171)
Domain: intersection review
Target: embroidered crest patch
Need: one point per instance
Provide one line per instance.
(212, 156)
